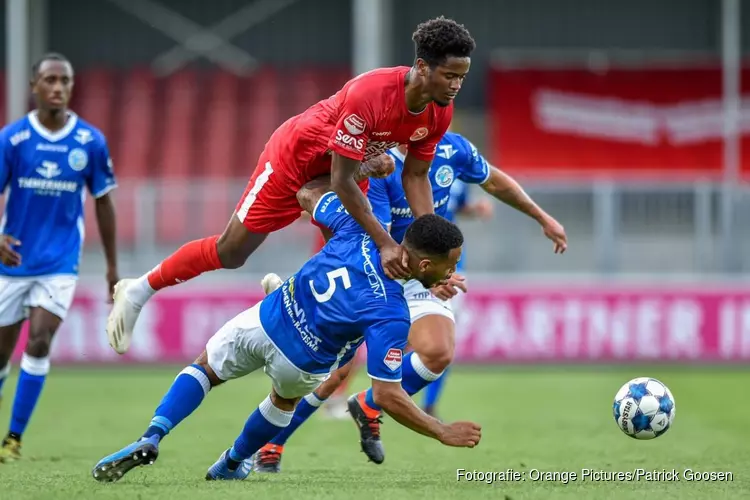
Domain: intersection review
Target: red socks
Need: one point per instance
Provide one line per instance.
(189, 261)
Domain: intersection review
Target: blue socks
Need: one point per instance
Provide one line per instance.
(414, 377)
(305, 408)
(30, 384)
(184, 396)
(265, 423)
(433, 391)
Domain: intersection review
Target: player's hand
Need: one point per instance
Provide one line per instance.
(450, 289)
(394, 259)
(483, 209)
(555, 232)
(461, 434)
(8, 256)
(112, 278)
(378, 167)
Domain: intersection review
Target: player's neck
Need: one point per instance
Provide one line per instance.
(416, 99)
(52, 119)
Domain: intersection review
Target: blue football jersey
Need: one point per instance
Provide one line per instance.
(456, 158)
(459, 198)
(339, 299)
(45, 176)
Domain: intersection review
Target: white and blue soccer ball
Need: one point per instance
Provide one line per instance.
(644, 408)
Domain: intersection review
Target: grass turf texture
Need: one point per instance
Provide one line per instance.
(548, 419)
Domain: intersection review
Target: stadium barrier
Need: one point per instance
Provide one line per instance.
(496, 324)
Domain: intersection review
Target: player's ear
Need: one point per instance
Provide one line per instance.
(422, 67)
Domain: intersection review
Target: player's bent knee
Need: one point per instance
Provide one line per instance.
(433, 338)
(39, 343)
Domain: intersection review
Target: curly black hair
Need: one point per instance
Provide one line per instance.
(437, 39)
(50, 56)
(432, 235)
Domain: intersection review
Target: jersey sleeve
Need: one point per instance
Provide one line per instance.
(386, 341)
(474, 168)
(330, 212)
(380, 200)
(425, 149)
(357, 117)
(101, 178)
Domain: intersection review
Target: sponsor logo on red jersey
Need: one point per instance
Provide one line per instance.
(354, 124)
(418, 134)
(393, 359)
(349, 142)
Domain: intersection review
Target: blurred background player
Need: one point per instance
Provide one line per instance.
(370, 114)
(432, 333)
(306, 329)
(49, 159)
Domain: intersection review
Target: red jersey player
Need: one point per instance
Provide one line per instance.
(370, 114)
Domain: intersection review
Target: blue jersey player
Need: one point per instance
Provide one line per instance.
(311, 325)
(432, 333)
(50, 158)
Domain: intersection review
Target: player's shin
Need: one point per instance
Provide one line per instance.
(30, 384)
(305, 408)
(184, 396)
(264, 423)
(415, 377)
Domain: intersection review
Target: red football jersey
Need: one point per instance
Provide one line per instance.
(364, 119)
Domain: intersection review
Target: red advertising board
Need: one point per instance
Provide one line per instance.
(635, 123)
(496, 324)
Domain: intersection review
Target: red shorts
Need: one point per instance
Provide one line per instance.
(269, 202)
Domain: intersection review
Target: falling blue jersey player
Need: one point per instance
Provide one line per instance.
(432, 333)
(311, 325)
(50, 159)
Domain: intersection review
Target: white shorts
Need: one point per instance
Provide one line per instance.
(52, 293)
(241, 347)
(422, 302)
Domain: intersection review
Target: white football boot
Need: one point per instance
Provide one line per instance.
(122, 319)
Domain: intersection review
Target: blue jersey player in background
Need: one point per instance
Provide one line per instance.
(308, 327)
(432, 331)
(50, 158)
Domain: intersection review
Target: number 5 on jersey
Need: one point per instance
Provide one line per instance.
(342, 273)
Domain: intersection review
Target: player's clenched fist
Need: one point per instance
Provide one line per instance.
(461, 434)
(379, 167)
(8, 256)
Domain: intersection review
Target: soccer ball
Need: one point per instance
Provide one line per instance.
(644, 408)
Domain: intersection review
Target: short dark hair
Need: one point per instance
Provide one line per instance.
(437, 39)
(49, 56)
(433, 235)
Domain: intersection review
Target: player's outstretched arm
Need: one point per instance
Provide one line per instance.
(392, 256)
(506, 189)
(105, 219)
(392, 398)
(417, 187)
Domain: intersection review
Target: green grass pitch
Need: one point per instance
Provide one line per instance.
(534, 419)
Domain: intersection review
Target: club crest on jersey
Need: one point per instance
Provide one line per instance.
(393, 359)
(78, 159)
(444, 176)
(418, 134)
(354, 124)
